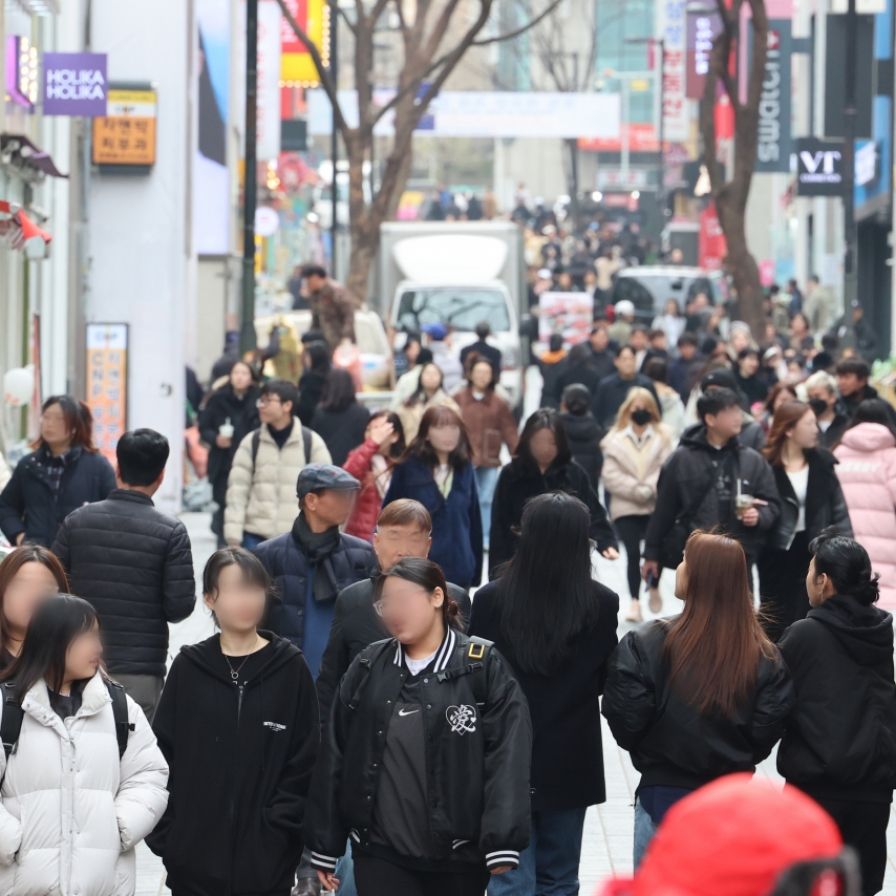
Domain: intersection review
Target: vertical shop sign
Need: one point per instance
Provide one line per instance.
(774, 144)
(107, 384)
(671, 28)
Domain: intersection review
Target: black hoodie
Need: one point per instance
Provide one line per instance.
(241, 755)
(841, 739)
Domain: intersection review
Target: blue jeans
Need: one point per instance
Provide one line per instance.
(345, 873)
(250, 541)
(644, 831)
(486, 481)
(549, 866)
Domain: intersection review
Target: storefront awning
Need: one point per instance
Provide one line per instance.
(18, 231)
(19, 152)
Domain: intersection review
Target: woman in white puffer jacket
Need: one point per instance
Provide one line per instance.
(72, 811)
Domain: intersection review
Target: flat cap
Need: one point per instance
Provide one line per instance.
(317, 476)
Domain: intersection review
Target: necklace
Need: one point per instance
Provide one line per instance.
(235, 673)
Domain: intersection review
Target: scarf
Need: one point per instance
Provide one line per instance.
(319, 548)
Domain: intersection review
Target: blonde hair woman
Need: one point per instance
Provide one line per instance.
(634, 450)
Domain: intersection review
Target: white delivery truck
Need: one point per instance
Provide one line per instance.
(458, 274)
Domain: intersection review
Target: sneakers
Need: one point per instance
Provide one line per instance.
(634, 612)
(655, 602)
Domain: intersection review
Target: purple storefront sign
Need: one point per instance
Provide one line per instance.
(702, 31)
(75, 84)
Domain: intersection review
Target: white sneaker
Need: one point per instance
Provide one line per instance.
(634, 612)
(655, 602)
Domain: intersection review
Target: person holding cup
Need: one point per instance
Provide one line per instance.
(230, 414)
(811, 502)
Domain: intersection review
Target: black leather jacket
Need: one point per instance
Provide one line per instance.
(479, 788)
(825, 504)
(671, 743)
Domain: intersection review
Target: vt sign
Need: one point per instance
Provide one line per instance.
(819, 167)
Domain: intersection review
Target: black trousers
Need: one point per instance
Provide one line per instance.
(864, 828)
(633, 530)
(378, 877)
(782, 585)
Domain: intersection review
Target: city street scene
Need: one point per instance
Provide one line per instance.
(447, 448)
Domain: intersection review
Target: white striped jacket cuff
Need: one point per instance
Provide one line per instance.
(327, 864)
(502, 857)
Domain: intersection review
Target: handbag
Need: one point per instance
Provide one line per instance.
(672, 552)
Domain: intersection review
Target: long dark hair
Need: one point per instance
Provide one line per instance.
(713, 648)
(9, 569)
(400, 446)
(338, 392)
(78, 421)
(317, 354)
(419, 396)
(546, 597)
(423, 450)
(55, 624)
(429, 576)
(847, 564)
(544, 418)
(872, 410)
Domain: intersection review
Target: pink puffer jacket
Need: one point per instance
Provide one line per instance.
(867, 473)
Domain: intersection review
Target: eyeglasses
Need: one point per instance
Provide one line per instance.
(396, 600)
(267, 399)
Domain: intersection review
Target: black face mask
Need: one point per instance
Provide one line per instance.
(641, 416)
(819, 405)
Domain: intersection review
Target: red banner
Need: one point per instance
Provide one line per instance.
(712, 245)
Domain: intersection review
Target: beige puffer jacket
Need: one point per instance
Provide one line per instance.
(263, 500)
(634, 494)
(412, 416)
(72, 812)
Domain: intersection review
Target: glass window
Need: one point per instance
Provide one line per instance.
(454, 306)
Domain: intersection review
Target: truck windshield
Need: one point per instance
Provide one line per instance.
(459, 307)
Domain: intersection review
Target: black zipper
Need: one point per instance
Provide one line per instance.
(239, 710)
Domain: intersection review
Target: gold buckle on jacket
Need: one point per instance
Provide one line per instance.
(476, 651)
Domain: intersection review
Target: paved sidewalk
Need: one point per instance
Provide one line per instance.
(607, 844)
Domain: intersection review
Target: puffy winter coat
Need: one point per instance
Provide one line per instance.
(489, 424)
(261, 496)
(135, 565)
(634, 493)
(369, 501)
(411, 416)
(867, 472)
(72, 812)
(671, 743)
(243, 415)
(29, 504)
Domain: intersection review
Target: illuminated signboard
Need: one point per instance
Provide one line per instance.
(126, 136)
(21, 71)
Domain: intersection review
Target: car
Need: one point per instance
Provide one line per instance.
(377, 369)
(649, 287)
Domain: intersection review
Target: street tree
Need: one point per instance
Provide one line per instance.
(730, 195)
(434, 37)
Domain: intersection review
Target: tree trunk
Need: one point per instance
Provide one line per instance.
(742, 266)
(572, 146)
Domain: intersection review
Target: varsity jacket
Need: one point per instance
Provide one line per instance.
(478, 752)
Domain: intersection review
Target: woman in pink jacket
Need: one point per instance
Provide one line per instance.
(867, 473)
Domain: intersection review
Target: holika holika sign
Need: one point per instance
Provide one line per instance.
(75, 84)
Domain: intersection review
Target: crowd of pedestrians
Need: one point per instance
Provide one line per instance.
(370, 717)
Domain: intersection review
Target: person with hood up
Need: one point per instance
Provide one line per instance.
(635, 450)
(867, 473)
(238, 724)
(707, 484)
(701, 695)
(840, 743)
(83, 780)
(582, 431)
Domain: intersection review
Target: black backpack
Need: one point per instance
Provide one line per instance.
(14, 715)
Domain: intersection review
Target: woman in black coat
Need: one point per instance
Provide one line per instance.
(233, 405)
(543, 463)
(583, 431)
(316, 364)
(840, 744)
(340, 419)
(557, 629)
(64, 472)
(811, 501)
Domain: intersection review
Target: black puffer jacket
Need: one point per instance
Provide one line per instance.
(584, 441)
(479, 775)
(825, 504)
(134, 564)
(841, 739)
(519, 482)
(243, 415)
(670, 742)
(29, 504)
(688, 473)
(356, 626)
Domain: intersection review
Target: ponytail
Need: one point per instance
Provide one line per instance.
(847, 564)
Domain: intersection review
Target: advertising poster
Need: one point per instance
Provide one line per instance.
(296, 65)
(569, 313)
(107, 384)
(127, 133)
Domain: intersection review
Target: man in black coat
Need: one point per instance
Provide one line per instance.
(134, 564)
(700, 482)
(852, 381)
(402, 530)
(602, 359)
(613, 389)
(482, 347)
(685, 369)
